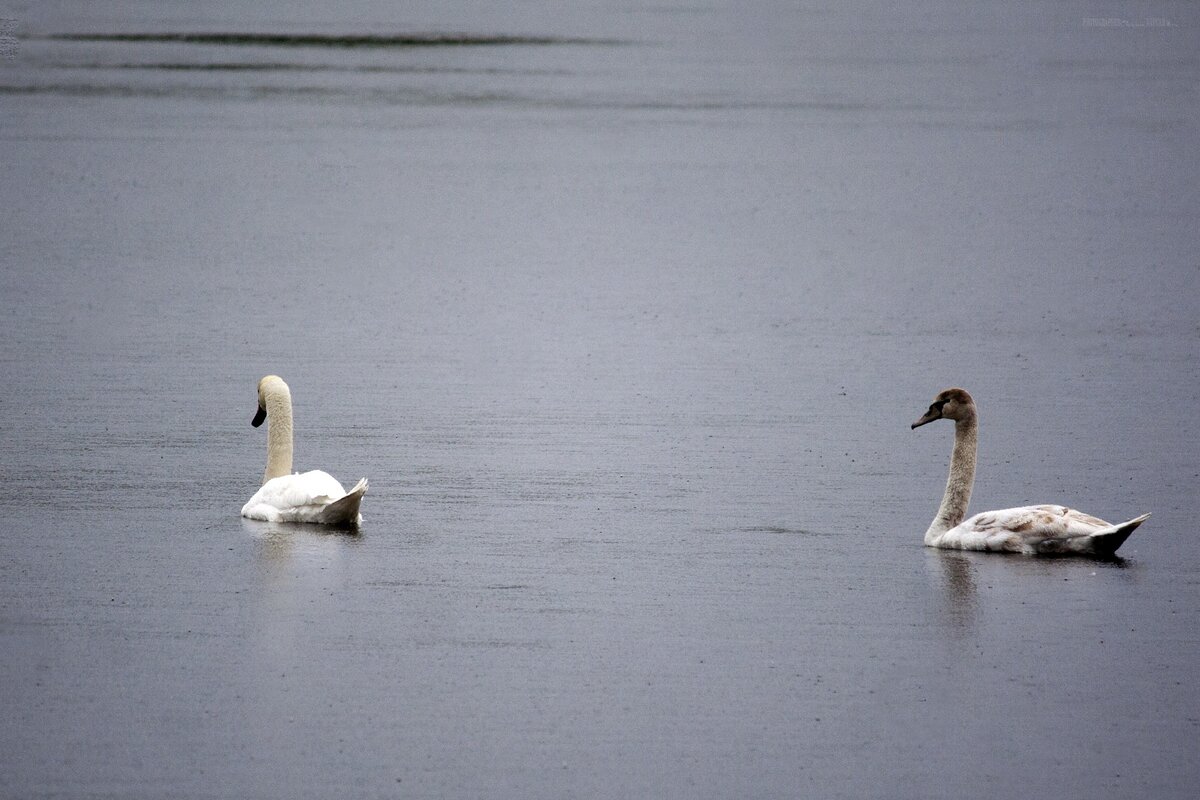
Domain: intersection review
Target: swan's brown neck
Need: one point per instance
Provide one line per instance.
(962, 476)
(279, 433)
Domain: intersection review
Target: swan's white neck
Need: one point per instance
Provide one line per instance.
(279, 432)
(961, 480)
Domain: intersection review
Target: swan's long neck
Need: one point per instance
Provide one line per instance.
(279, 434)
(961, 480)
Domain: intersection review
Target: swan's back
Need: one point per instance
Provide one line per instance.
(314, 496)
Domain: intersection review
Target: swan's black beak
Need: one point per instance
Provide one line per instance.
(259, 417)
(930, 416)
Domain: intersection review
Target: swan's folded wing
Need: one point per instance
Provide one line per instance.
(1028, 524)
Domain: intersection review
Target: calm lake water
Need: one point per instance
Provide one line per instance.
(625, 315)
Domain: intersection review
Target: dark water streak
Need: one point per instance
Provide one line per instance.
(405, 40)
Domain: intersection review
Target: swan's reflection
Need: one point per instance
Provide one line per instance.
(957, 572)
(298, 546)
(302, 572)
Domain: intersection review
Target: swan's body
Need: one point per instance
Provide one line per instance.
(1040, 530)
(314, 496)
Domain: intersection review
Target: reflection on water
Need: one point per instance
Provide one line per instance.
(295, 544)
(958, 584)
(963, 575)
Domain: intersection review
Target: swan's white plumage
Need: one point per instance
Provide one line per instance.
(314, 496)
(1045, 529)
(303, 497)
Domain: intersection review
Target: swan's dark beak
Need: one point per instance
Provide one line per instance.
(261, 415)
(930, 416)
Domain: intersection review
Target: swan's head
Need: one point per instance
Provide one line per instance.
(269, 386)
(955, 404)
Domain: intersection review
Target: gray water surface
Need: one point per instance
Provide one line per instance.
(625, 311)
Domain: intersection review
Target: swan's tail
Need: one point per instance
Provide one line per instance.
(1105, 542)
(344, 510)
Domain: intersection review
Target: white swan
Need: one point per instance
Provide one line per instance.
(302, 497)
(1032, 530)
